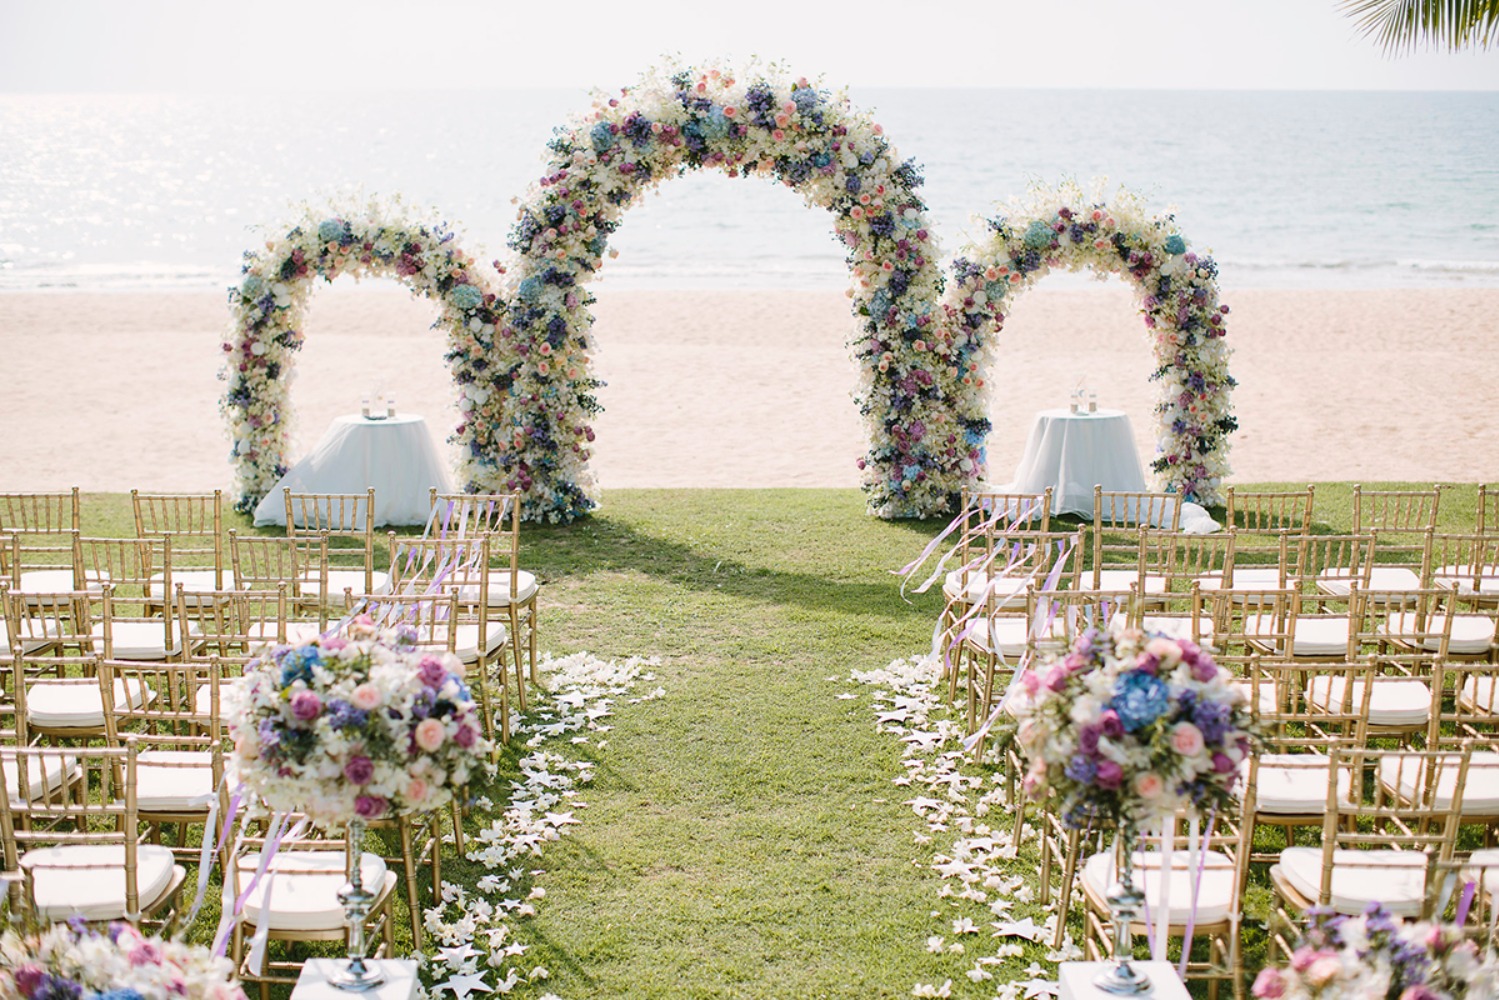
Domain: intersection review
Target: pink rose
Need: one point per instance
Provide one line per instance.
(1323, 970)
(1056, 679)
(366, 697)
(1031, 682)
(1167, 652)
(333, 643)
(429, 734)
(1269, 985)
(416, 791)
(306, 705)
(1149, 785)
(1186, 739)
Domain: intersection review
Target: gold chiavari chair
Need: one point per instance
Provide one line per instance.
(41, 526)
(297, 901)
(1374, 847)
(1118, 518)
(133, 624)
(1334, 564)
(178, 738)
(1468, 564)
(346, 521)
(264, 562)
(1286, 778)
(512, 590)
(82, 855)
(1268, 514)
(1488, 510)
(195, 524)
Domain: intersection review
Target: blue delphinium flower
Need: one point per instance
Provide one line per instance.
(1140, 699)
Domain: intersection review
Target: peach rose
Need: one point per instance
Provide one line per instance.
(429, 734)
(1186, 739)
(366, 697)
(416, 791)
(1166, 652)
(1149, 785)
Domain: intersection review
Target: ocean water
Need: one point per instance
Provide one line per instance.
(1287, 190)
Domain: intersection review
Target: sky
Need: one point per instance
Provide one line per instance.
(319, 47)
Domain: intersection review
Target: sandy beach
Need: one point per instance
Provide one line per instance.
(752, 389)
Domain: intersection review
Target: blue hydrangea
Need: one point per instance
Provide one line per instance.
(123, 993)
(602, 137)
(1140, 699)
(253, 287)
(1037, 235)
(331, 230)
(297, 665)
(530, 288)
(466, 297)
(1081, 770)
(1175, 244)
(715, 125)
(805, 98)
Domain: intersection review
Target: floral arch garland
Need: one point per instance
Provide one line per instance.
(268, 308)
(1177, 292)
(919, 394)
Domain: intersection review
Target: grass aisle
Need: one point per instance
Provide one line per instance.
(742, 837)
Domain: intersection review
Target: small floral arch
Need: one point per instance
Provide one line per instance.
(1177, 291)
(919, 392)
(268, 308)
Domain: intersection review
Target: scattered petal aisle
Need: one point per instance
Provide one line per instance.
(987, 919)
(475, 949)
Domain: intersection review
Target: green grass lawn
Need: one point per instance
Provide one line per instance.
(742, 836)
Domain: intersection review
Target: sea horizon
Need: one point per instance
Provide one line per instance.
(1287, 189)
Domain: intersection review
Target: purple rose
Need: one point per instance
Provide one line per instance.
(360, 770)
(1204, 670)
(1222, 763)
(306, 705)
(1111, 725)
(1087, 740)
(1110, 775)
(369, 806)
(28, 978)
(432, 672)
(465, 736)
(1056, 679)
(1075, 662)
(1190, 651)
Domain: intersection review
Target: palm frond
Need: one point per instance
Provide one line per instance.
(1406, 25)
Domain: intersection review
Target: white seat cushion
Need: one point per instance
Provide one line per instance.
(296, 632)
(1244, 578)
(141, 640)
(164, 784)
(1339, 583)
(1486, 863)
(78, 706)
(1480, 793)
(1393, 702)
(1009, 591)
(1176, 626)
(466, 641)
(1295, 784)
(1121, 579)
(1268, 705)
(192, 581)
(1010, 635)
(47, 581)
(35, 635)
(304, 893)
(1471, 634)
(1319, 636)
(525, 587)
(89, 879)
(340, 580)
(44, 775)
(1395, 878)
(1461, 578)
(1480, 693)
(1215, 895)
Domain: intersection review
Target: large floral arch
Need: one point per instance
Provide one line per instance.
(268, 309)
(919, 395)
(1177, 292)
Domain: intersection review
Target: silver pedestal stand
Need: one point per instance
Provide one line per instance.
(357, 977)
(1122, 978)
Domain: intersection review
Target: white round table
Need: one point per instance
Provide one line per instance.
(395, 455)
(1073, 452)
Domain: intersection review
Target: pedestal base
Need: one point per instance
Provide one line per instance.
(1075, 981)
(313, 984)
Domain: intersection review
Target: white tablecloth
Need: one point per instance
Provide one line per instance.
(1073, 452)
(395, 456)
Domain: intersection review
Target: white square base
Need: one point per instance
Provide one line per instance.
(312, 984)
(1076, 981)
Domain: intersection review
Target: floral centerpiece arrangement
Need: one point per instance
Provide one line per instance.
(74, 962)
(361, 725)
(1129, 726)
(1377, 956)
